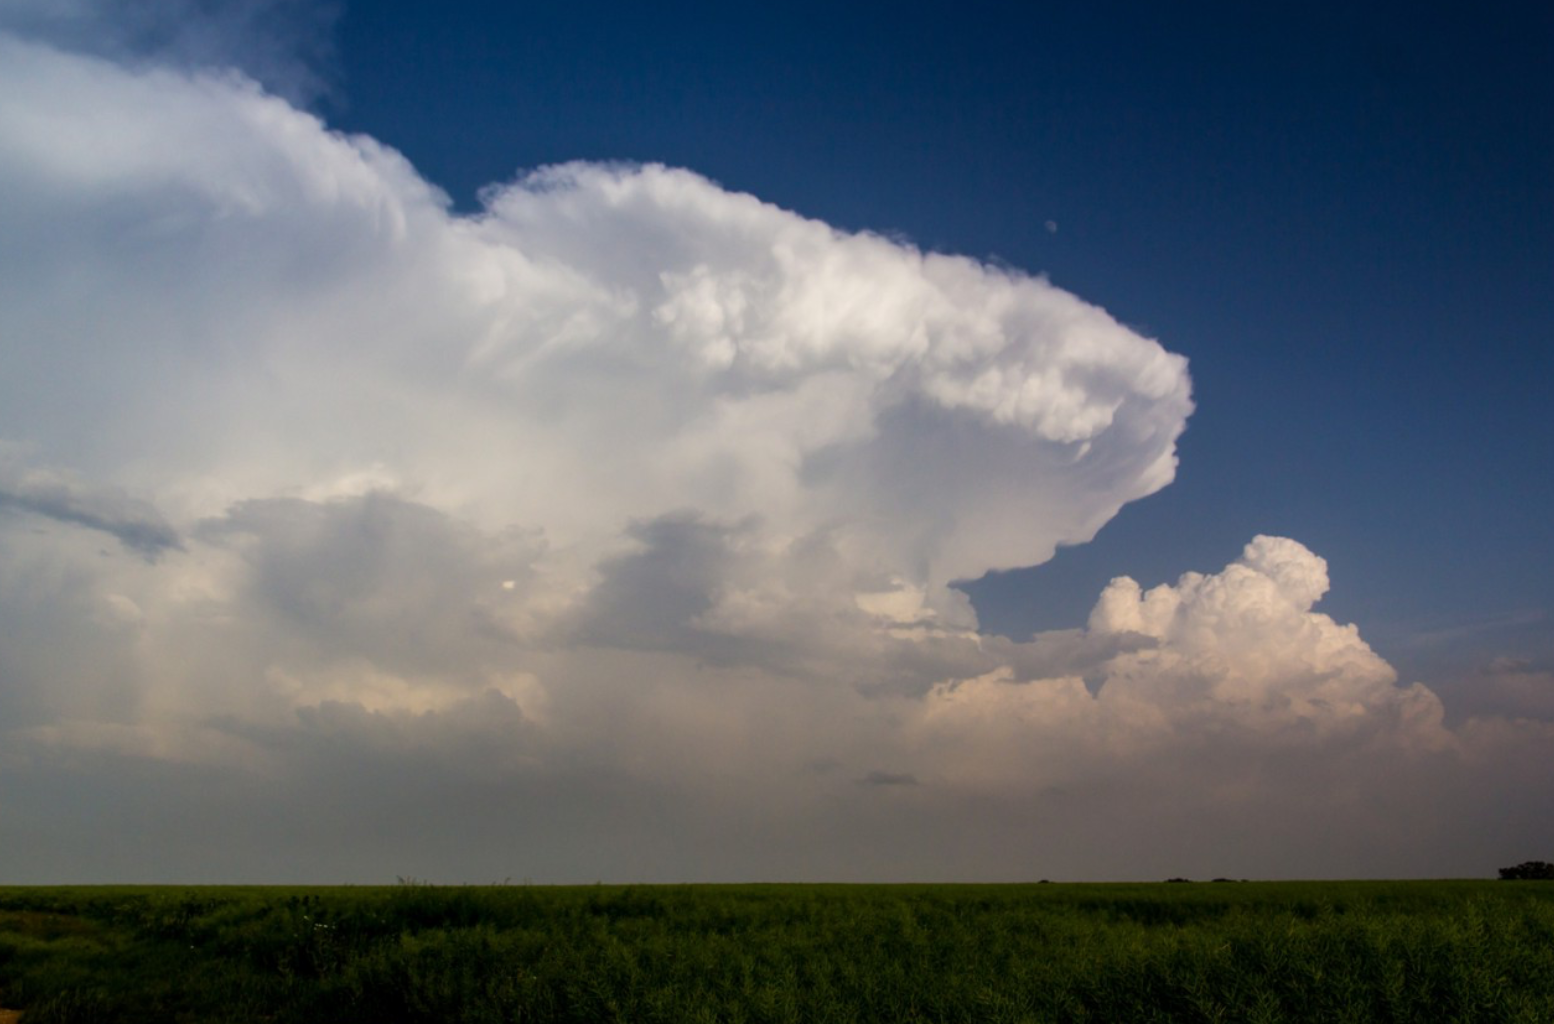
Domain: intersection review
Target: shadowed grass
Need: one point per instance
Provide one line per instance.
(1259, 952)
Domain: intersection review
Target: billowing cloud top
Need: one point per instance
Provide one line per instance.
(254, 306)
(628, 492)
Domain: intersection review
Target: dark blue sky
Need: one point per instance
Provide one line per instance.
(1343, 217)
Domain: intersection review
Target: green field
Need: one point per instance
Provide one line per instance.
(1331, 951)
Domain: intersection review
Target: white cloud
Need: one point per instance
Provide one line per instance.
(620, 506)
(1238, 654)
(1246, 642)
(653, 341)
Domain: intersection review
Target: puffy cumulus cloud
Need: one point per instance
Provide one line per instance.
(1235, 656)
(1245, 642)
(607, 533)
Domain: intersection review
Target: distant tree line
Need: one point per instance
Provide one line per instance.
(1540, 870)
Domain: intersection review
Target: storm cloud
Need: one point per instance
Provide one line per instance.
(565, 539)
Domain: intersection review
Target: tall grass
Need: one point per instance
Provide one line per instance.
(1255, 952)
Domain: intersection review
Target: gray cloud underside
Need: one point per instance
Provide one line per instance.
(53, 495)
(609, 534)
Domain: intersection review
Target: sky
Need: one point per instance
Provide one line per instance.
(699, 443)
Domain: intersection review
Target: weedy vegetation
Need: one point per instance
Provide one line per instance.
(1243, 952)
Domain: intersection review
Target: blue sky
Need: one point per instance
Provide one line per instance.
(499, 441)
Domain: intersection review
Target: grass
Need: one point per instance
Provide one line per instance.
(1253, 952)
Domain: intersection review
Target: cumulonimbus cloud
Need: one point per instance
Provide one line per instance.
(274, 308)
(622, 408)
(625, 476)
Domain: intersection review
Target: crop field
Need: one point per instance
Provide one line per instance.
(1332, 951)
